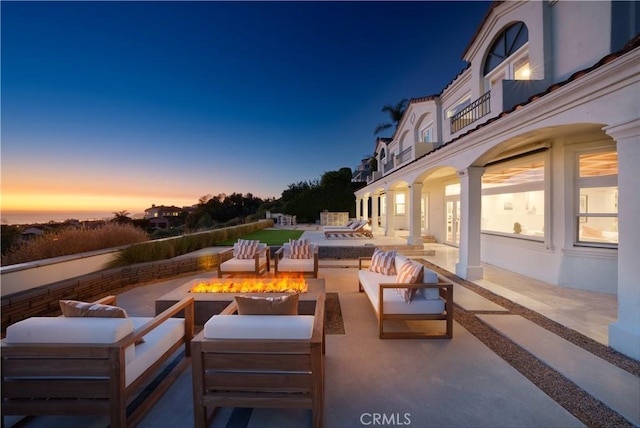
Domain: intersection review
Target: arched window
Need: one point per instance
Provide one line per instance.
(506, 44)
(508, 57)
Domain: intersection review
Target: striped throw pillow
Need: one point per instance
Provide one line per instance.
(299, 249)
(409, 273)
(383, 262)
(246, 249)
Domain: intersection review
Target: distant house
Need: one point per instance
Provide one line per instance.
(362, 174)
(162, 211)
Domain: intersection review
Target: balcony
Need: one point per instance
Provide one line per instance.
(474, 111)
(404, 156)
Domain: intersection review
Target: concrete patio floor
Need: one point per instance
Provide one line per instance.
(445, 383)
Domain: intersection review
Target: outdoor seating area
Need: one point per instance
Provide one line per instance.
(309, 376)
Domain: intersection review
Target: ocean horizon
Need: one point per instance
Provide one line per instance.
(42, 217)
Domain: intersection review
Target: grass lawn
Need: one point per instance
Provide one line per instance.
(269, 237)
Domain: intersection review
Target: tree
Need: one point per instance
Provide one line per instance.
(121, 217)
(395, 113)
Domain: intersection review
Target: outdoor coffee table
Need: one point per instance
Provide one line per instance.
(208, 304)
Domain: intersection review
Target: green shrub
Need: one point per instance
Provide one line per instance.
(172, 247)
(74, 241)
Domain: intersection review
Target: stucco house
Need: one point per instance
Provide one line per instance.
(528, 159)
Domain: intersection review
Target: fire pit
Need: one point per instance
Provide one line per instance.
(212, 295)
(251, 285)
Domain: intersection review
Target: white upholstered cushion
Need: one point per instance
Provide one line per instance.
(156, 343)
(69, 330)
(259, 327)
(393, 302)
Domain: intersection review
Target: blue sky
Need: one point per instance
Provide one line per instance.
(118, 105)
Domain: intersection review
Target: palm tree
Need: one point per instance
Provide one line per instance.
(395, 112)
(121, 217)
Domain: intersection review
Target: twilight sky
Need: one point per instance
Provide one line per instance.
(119, 105)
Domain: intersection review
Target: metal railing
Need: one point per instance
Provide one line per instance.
(471, 113)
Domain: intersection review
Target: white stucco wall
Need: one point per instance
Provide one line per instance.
(25, 276)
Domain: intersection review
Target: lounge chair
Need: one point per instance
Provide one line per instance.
(236, 261)
(286, 264)
(93, 366)
(272, 361)
(357, 228)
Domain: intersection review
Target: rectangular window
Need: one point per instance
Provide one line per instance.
(597, 199)
(426, 134)
(400, 204)
(513, 198)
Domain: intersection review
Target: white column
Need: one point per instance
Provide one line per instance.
(415, 228)
(358, 208)
(365, 208)
(469, 266)
(390, 227)
(624, 334)
(374, 212)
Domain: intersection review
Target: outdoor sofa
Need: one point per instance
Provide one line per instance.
(94, 366)
(431, 300)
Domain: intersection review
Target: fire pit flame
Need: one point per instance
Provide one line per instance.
(252, 285)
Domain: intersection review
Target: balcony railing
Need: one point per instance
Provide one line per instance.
(471, 113)
(404, 156)
(389, 165)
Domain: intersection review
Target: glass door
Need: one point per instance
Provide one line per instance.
(453, 220)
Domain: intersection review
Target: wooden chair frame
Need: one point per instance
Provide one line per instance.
(270, 373)
(87, 379)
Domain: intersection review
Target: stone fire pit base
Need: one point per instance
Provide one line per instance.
(207, 305)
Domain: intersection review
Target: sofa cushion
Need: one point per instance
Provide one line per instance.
(239, 265)
(69, 330)
(156, 343)
(383, 262)
(429, 277)
(283, 305)
(259, 327)
(74, 308)
(393, 302)
(295, 265)
(409, 273)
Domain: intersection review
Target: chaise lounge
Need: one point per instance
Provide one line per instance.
(352, 228)
(93, 365)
